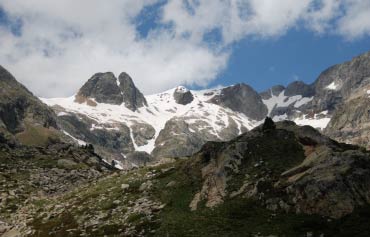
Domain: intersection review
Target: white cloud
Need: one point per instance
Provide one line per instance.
(62, 43)
(356, 21)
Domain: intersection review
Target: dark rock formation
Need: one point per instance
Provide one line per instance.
(290, 168)
(106, 88)
(242, 98)
(299, 88)
(183, 96)
(132, 97)
(22, 114)
(275, 90)
(103, 88)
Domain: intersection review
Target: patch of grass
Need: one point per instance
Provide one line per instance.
(59, 226)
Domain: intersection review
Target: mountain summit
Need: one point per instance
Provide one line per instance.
(106, 88)
(179, 121)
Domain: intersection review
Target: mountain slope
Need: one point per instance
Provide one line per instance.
(113, 115)
(22, 115)
(163, 125)
(29, 174)
(276, 180)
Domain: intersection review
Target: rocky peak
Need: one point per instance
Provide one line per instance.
(299, 88)
(182, 95)
(132, 97)
(103, 88)
(242, 98)
(106, 88)
(339, 82)
(275, 91)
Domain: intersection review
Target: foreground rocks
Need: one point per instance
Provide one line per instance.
(291, 168)
(276, 180)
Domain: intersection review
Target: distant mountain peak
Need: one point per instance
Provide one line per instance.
(182, 95)
(106, 88)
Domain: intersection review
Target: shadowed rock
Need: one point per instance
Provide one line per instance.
(183, 96)
(132, 97)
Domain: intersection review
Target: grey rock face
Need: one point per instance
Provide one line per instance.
(347, 77)
(106, 88)
(176, 140)
(299, 88)
(319, 175)
(142, 132)
(109, 142)
(20, 109)
(183, 96)
(103, 88)
(242, 98)
(275, 90)
(132, 97)
(351, 122)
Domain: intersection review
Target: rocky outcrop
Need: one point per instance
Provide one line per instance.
(273, 91)
(132, 97)
(109, 141)
(351, 121)
(305, 172)
(242, 98)
(299, 88)
(103, 88)
(176, 140)
(337, 83)
(183, 96)
(106, 88)
(22, 115)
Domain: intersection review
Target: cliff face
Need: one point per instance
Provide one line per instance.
(22, 115)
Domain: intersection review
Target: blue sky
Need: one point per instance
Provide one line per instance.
(298, 55)
(53, 47)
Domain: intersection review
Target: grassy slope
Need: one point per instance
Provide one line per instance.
(236, 217)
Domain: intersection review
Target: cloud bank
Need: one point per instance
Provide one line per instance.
(53, 47)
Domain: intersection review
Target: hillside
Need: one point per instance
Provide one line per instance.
(276, 180)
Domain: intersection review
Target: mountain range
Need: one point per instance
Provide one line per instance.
(124, 125)
(229, 161)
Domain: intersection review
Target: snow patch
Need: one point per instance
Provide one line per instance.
(79, 142)
(302, 101)
(63, 114)
(317, 121)
(161, 108)
(284, 101)
(332, 86)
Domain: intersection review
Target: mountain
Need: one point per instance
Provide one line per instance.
(106, 88)
(114, 115)
(174, 123)
(29, 173)
(275, 180)
(23, 117)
